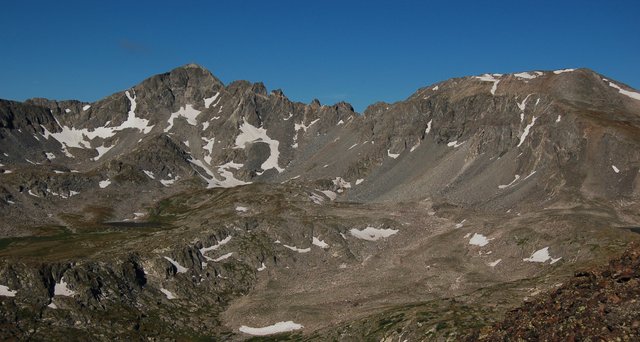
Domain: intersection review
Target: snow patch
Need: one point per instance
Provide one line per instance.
(372, 234)
(61, 289)
(526, 131)
(168, 293)
(222, 242)
(414, 147)
(428, 129)
(149, 174)
(209, 100)
(4, 291)
(393, 155)
(187, 112)
(522, 105)
(631, 94)
(105, 183)
(276, 328)
(455, 144)
(515, 179)
(299, 250)
(526, 75)
(179, 268)
(224, 257)
(319, 243)
(495, 263)
(241, 209)
(359, 180)
(479, 240)
(557, 72)
(541, 255)
(81, 138)
(168, 182)
(250, 134)
(85, 107)
(49, 155)
(615, 169)
(101, 151)
(490, 78)
(262, 267)
(330, 194)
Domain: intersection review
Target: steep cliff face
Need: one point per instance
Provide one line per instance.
(479, 188)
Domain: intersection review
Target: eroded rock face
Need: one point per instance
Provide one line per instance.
(183, 206)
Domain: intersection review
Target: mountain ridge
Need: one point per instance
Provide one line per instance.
(470, 192)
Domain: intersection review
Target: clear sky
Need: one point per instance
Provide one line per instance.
(355, 51)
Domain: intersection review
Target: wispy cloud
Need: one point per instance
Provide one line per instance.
(133, 47)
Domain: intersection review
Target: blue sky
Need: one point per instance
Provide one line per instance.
(355, 51)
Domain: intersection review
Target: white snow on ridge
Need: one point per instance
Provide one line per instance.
(187, 112)
(216, 246)
(515, 179)
(330, 194)
(61, 289)
(168, 293)
(209, 100)
(414, 147)
(105, 183)
(4, 291)
(81, 138)
(133, 121)
(615, 169)
(392, 155)
(101, 151)
(372, 234)
(428, 129)
(455, 144)
(526, 131)
(319, 243)
(149, 174)
(523, 104)
(541, 255)
(299, 250)
(179, 268)
(341, 183)
(168, 182)
(490, 78)
(631, 94)
(250, 134)
(526, 75)
(224, 257)
(557, 72)
(85, 107)
(301, 125)
(276, 328)
(230, 180)
(495, 263)
(479, 240)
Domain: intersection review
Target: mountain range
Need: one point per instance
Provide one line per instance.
(186, 208)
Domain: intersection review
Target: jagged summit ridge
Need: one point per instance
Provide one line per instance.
(509, 131)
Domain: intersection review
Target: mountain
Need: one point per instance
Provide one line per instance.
(186, 207)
